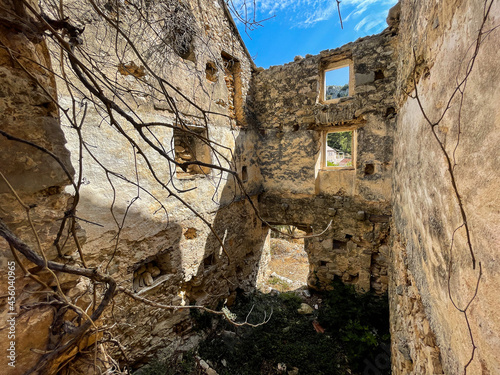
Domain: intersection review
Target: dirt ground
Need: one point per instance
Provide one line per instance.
(288, 260)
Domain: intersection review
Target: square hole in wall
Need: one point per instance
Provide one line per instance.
(337, 81)
(244, 174)
(190, 147)
(339, 149)
(211, 72)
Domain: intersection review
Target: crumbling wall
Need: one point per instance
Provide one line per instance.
(28, 112)
(433, 265)
(157, 247)
(193, 267)
(292, 120)
(353, 245)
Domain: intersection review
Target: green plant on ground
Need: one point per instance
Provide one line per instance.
(287, 338)
(356, 332)
(361, 321)
(278, 283)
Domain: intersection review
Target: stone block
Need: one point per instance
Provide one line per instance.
(363, 79)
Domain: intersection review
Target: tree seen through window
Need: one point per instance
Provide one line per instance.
(339, 149)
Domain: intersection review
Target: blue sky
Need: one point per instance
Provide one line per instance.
(300, 27)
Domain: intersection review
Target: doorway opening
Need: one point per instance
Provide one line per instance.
(288, 267)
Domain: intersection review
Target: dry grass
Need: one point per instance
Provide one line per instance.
(288, 259)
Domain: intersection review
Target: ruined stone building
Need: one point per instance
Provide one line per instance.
(183, 154)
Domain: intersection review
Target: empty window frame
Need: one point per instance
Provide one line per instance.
(188, 147)
(339, 149)
(337, 81)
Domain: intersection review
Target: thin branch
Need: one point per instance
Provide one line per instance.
(224, 314)
(340, 16)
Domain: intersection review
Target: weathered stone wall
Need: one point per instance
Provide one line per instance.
(28, 111)
(292, 121)
(192, 265)
(433, 267)
(166, 254)
(271, 126)
(354, 245)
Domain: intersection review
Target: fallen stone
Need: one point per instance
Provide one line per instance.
(305, 309)
(155, 271)
(136, 284)
(282, 278)
(281, 368)
(204, 365)
(148, 279)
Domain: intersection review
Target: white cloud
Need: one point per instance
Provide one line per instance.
(306, 13)
(371, 21)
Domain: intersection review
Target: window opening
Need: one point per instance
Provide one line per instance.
(337, 83)
(339, 149)
(147, 273)
(211, 71)
(188, 148)
(229, 78)
(337, 80)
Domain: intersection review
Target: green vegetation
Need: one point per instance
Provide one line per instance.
(340, 140)
(355, 339)
(360, 321)
(278, 283)
(332, 164)
(356, 330)
(287, 338)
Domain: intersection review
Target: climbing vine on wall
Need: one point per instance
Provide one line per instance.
(464, 72)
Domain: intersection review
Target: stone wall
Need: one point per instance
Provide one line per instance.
(292, 120)
(433, 266)
(28, 111)
(353, 241)
(193, 268)
(136, 230)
